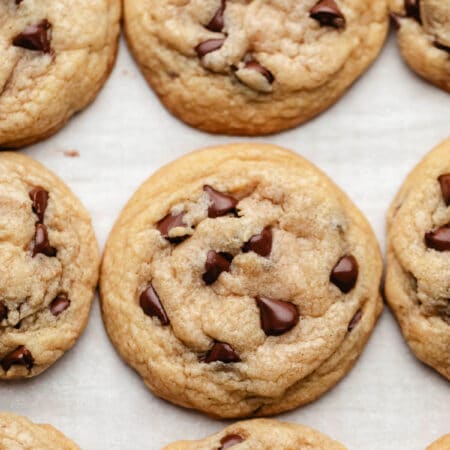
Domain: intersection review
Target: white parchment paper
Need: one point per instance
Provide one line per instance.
(367, 143)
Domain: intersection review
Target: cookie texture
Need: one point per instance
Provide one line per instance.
(441, 444)
(18, 433)
(55, 56)
(48, 267)
(253, 67)
(423, 29)
(239, 281)
(262, 434)
(418, 259)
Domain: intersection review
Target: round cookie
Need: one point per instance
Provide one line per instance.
(48, 267)
(239, 281)
(55, 58)
(423, 29)
(262, 434)
(18, 433)
(252, 68)
(441, 444)
(418, 259)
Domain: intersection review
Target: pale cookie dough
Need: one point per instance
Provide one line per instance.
(424, 37)
(55, 55)
(262, 434)
(48, 267)
(239, 281)
(18, 433)
(441, 444)
(418, 259)
(253, 67)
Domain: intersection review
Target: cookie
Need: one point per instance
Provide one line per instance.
(251, 68)
(441, 444)
(48, 267)
(18, 433)
(239, 281)
(423, 30)
(418, 259)
(262, 434)
(55, 57)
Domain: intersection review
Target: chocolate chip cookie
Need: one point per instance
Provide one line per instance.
(253, 67)
(48, 267)
(441, 444)
(418, 258)
(55, 56)
(423, 29)
(239, 281)
(262, 434)
(18, 433)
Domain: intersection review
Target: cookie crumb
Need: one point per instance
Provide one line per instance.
(72, 153)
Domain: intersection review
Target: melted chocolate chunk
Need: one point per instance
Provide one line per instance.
(167, 223)
(395, 19)
(209, 46)
(443, 47)
(35, 37)
(439, 239)
(222, 352)
(260, 243)
(39, 197)
(3, 312)
(229, 441)
(266, 73)
(41, 242)
(444, 181)
(152, 306)
(345, 273)
(59, 304)
(327, 13)
(412, 8)
(220, 203)
(217, 22)
(355, 320)
(277, 316)
(21, 356)
(215, 264)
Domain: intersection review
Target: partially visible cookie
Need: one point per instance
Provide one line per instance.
(18, 433)
(48, 267)
(239, 281)
(253, 67)
(423, 29)
(441, 444)
(418, 259)
(55, 56)
(262, 434)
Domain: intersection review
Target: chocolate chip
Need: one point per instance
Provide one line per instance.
(395, 19)
(412, 8)
(266, 73)
(220, 203)
(440, 46)
(277, 317)
(444, 181)
(18, 2)
(355, 320)
(327, 13)
(39, 197)
(215, 264)
(209, 46)
(21, 356)
(41, 242)
(223, 352)
(345, 273)
(167, 223)
(260, 243)
(35, 37)
(152, 306)
(439, 239)
(217, 22)
(3, 312)
(59, 304)
(229, 441)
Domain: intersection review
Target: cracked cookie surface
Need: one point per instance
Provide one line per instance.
(441, 444)
(240, 281)
(253, 67)
(423, 30)
(54, 58)
(418, 259)
(18, 433)
(262, 434)
(48, 267)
